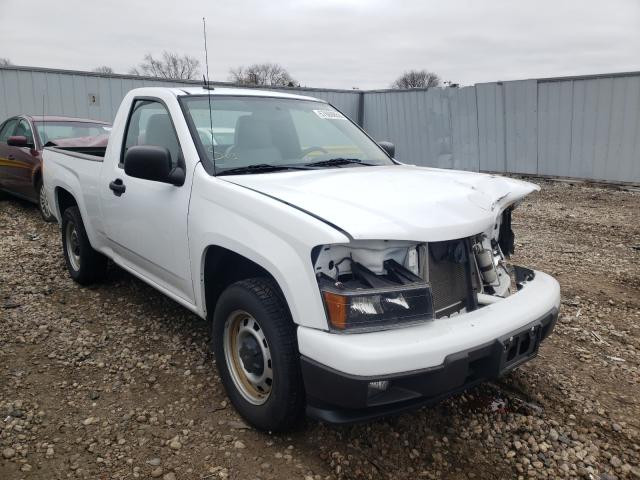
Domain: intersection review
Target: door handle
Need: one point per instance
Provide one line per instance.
(118, 187)
(11, 157)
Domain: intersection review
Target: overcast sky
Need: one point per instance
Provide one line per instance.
(333, 43)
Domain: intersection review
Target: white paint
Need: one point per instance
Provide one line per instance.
(396, 202)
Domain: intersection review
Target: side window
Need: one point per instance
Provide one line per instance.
(150, 124)
(24, 129)
(7, 129)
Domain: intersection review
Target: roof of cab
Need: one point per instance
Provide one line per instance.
(240, 92)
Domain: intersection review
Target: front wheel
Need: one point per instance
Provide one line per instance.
(254, 341)
(85, 265)
(43, 203)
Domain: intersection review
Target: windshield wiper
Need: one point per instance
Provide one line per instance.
(260, 168)
(334, 162)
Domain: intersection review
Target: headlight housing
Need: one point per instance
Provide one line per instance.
(386, 293)
(376, 309)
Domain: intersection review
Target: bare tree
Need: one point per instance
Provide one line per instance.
(4, 62)
(103, 69)
(262, 74)
(171, 65)
(417, 79)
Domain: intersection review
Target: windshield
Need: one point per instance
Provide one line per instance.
(261, 131)
(51, 131)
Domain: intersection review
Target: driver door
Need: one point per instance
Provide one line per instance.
(146, 224)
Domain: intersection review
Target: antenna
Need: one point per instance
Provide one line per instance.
(44, 126)
(207, 86)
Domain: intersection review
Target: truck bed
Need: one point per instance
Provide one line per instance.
(76, 170)
(95, 154)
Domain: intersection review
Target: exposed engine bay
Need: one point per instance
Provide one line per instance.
(386, 279)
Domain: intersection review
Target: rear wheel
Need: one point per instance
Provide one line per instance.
(43, 203)
(85, 265)
(254, 341)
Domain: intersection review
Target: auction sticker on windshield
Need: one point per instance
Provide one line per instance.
(329, 115)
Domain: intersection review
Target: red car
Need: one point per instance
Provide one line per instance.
(21, 141)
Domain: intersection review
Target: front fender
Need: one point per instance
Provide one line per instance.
(274, 235)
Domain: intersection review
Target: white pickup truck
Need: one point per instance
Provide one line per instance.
(336, 280)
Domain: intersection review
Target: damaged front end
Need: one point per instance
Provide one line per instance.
(371, 285)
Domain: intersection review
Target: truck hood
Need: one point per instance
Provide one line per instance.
(398, 202)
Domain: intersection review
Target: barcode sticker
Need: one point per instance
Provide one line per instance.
(329, 115)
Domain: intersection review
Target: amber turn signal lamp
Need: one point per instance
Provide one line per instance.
(337, 309)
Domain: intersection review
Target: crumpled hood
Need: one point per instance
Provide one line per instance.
(398, 202)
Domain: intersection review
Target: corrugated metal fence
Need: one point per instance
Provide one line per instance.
(98, 96)
(582, 127)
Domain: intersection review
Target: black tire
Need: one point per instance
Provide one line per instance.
(261, 298)
(43, 204)
(85, 265)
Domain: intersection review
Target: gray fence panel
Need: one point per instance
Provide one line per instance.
(3, 99)
(620, 106)
(521, 126)
(375, 116)
(555, 104)
(25, 90)
(491, 128)
(12, 100)
(590, 109)
(64, 89)
(464, 123)
(628, 156)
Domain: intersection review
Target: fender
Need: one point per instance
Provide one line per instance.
(275, 236)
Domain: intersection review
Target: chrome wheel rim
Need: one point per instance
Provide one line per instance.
(44, 202)
(248, 357)
(73, 245)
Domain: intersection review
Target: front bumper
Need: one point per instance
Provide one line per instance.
(425, 363)
(335, 397)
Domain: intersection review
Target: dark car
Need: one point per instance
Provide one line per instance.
(21, 141)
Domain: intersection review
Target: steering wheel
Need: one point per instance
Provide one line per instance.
(306, 151)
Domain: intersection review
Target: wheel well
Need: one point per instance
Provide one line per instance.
(64, 200)
(222, 267)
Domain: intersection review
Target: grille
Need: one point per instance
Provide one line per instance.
(448, 277)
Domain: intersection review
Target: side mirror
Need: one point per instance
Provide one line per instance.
(153, 163)
(18, 141)
(388, 147)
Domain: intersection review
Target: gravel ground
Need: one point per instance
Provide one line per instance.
(116, 381)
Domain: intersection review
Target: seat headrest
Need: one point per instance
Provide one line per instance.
(252, 132)
(159, 130)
